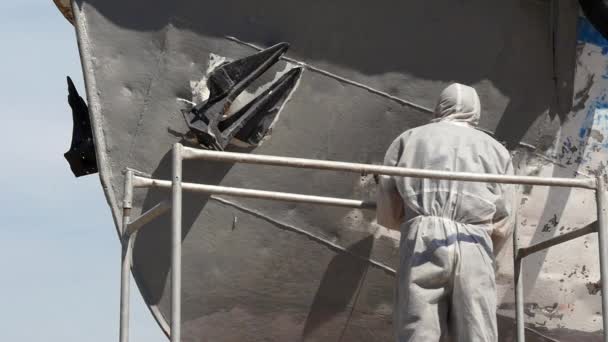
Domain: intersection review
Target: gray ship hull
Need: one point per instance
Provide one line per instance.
(371, 71)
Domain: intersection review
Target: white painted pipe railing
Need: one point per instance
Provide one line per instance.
(177, 186)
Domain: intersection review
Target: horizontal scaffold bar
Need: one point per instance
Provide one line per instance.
(220, 156)
(141, 182)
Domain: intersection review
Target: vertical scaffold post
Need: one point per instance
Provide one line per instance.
(602, 234)
(125, 258)
(519, 288)
(176, 243)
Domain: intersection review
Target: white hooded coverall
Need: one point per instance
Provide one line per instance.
(449, 229)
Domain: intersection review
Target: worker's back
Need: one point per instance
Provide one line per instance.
(450, 146)
(449, 229)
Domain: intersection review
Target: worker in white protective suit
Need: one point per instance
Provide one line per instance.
(449, 229)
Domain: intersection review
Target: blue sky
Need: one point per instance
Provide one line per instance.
(59, 253)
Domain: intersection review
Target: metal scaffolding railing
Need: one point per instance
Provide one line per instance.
(130, 227)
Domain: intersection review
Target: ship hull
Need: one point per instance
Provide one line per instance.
(265, 271)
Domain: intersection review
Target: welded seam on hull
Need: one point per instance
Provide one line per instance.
(383, 94)
(340, 78)
(329, 244)
(313, 237)
(389, 96)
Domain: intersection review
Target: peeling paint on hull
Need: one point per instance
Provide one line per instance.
(252, 280)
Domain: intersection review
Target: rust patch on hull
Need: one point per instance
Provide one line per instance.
(65, 8)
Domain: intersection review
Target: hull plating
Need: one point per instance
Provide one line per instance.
(370, 71)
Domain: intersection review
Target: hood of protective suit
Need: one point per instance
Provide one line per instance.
(458, 103)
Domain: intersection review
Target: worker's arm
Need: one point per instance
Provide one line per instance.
(389, 212)
(506, 212)
(390, 208)
(502, 229)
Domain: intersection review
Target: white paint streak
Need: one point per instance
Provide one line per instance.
(200, 92)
